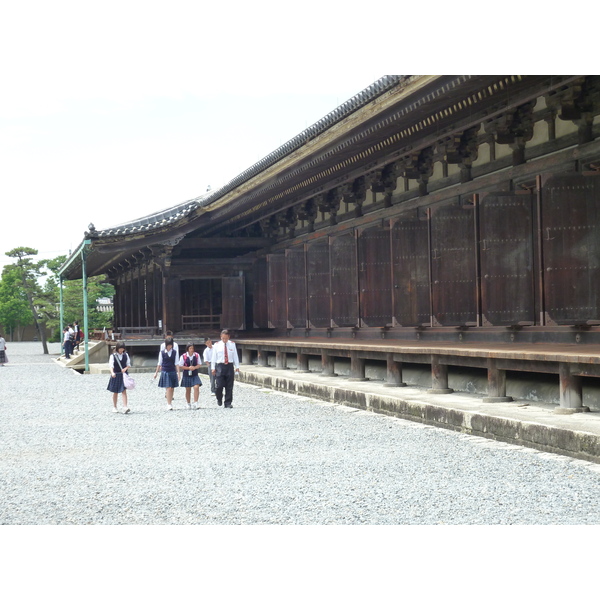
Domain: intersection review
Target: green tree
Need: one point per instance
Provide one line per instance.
(14, 308)
(28, 273)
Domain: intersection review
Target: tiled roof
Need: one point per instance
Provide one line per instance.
(174, 214)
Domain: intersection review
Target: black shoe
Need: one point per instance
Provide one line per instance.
(220, 402)
(228, 406)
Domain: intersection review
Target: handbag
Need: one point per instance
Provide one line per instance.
(128, 382)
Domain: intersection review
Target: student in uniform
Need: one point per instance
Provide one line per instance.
(189, 363)
(168, 365)
(119, 363)
(169, 334)
(224, 360)
(207, 356)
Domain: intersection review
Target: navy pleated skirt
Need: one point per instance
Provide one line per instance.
(190, 381)
(115, 384)
(168, 379)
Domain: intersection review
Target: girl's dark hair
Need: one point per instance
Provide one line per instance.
(120, 345)
(168, 341)
(190, 345)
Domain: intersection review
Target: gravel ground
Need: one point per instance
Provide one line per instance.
(273, 459)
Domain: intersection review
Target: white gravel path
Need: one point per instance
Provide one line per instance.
(65, 458)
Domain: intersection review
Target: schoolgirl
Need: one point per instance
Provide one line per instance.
(190, 363)
(119, 363)
(168, 365)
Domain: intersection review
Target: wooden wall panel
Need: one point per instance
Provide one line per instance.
(319, 285)
(453, 264)
(375, 276)
(277, 291)
(506, 257)
(344, 281)
(260, 312)
(234, 303)
(296, 287)
(410, 270)
(571, 248)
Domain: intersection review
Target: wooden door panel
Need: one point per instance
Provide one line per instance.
(260, 292)
(319, 284)
(234, 303)
(296, 287)
(375, 276)
(277, 291)
(410, 270)
(453, 264)
(344, 281)
(506, 258)
(571, 248)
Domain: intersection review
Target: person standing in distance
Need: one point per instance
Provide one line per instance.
(224, 360)
(207, 356)
(67, 344)
(3, 357)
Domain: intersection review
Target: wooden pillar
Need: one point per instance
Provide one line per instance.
(496, 383)
(150, 314)
(263, 358)
(439, 377)
(357, 367)
(394, 372)
(158, 312)
(328, 365)
(246, 356)
(571, 397)
(280, 359)
(302, 363)
(131, 320)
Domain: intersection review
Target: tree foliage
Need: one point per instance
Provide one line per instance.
(14, 308)
(30, 293)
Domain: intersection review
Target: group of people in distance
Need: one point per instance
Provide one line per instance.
(72, 336)
(182, 371)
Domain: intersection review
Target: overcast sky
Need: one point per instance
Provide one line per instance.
(111, 111)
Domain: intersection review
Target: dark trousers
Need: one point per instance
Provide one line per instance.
(212, 379)
(224, 378)
(68, 348)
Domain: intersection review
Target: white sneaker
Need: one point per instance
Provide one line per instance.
(126, 410)
(115, 409)
(196, 407)
(189, 406)
(169, 407)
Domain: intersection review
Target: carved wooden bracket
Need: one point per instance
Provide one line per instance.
(308, 212)
(420, 167)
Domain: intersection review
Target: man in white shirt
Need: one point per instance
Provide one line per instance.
(224, 360)
(207, 357)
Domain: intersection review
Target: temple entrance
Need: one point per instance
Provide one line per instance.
(201, 304)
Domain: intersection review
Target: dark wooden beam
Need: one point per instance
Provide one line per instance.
(216, 242)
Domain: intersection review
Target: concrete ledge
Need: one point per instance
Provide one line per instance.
(539, 428)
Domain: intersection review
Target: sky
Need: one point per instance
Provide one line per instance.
(112, 111)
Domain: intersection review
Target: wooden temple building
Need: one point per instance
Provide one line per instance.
(439, 220)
